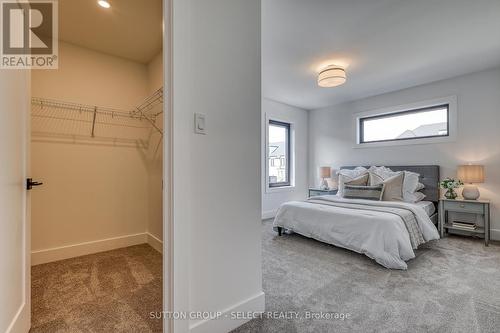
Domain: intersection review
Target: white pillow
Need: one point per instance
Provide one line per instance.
(410, 182)
(353, 173)
(415, 197)
(346, 175)
(393, 186)
(420, 187)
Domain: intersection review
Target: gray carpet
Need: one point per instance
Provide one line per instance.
(112, 291)
(453, 285)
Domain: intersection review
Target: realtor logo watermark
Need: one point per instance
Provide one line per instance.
(29, 34)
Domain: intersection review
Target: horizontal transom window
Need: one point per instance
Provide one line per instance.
(421, 123)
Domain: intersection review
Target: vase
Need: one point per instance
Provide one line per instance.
(450, 194)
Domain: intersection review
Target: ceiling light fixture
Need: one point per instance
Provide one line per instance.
(331, 76)
(104, 3)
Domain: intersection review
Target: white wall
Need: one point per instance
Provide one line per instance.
(155, 154)
(273, 198)
(332, 136)
(217, 177)
(92, 192)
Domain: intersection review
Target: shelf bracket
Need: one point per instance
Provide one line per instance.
(93, 121)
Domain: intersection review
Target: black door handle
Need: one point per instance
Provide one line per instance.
(30, 183)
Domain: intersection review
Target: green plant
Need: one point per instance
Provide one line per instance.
(450, 183)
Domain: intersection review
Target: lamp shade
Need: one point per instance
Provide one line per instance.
(325, 172)
(471, 173)
(331, 76)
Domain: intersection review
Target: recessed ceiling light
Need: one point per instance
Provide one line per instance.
(331, 76)
(104, 4)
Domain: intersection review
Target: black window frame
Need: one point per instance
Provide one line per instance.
(361, 121)
(288, 153)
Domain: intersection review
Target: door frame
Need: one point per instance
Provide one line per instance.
(168, 179)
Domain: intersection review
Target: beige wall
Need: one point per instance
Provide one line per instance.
(155, 73)
(85, 76)
(92, 191)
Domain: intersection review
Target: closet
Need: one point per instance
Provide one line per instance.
(97, 138)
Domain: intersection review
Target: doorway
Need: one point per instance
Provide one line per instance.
(97, 142)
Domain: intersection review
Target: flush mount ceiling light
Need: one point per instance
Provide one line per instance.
(331, 76)
(104, 3)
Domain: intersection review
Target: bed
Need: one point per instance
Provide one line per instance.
(386, 231)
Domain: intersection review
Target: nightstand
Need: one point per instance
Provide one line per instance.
(314, 192)
(481, 208)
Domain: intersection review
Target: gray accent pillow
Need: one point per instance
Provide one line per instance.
(364, 192)
(345, 180)
(393, 190)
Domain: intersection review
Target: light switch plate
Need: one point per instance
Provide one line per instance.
(200, 123)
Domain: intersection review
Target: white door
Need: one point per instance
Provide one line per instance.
(14, 204)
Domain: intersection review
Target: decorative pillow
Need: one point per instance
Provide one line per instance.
(363, 192)
(345, 180)
(346, 175)
(393, 190)
(415, 197)
(410, 183)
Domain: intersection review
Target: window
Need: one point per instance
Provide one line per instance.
(422, 123)
(278, 154)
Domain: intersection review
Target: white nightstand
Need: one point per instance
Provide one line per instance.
(477, 207)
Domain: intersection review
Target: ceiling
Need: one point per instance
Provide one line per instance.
(385, 45)
(130, 29)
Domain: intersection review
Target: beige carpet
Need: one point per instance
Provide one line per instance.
(112, 291)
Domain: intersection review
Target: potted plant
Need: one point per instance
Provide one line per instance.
(450, 184)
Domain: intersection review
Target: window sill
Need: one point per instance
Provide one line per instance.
(422, 141)
(280, 189)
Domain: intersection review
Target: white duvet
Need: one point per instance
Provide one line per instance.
(379, 235)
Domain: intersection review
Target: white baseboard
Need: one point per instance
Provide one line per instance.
(81, 249)
(155, 243)
(270, 214)
(22, 320)
(495, 234)
(225, 323)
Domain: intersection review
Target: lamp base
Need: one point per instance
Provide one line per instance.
(471, 192)
(324, 185)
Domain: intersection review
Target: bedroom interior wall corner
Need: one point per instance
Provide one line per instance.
(299, 119)
(331, 141)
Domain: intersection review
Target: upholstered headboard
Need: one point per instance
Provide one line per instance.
(429, 176)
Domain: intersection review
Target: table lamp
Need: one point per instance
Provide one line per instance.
(471, 174)
(325, 172)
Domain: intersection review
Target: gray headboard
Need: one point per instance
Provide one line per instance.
(429, 176)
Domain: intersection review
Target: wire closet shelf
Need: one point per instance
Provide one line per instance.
(61, 118)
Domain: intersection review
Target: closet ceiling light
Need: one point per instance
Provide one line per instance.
(331, 76)
(104, 4)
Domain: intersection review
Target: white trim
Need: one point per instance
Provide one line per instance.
(81, 249)
(154, 242)
(453, 122)
(269, 214)
(290, 187)
(255, 304)
(495, 234)
(21, 322)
